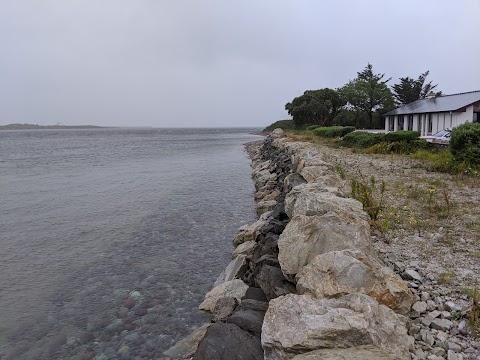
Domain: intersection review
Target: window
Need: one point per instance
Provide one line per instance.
(430, 123)
(476, 117)
(400, 122)
(391, 123)
(420, 122)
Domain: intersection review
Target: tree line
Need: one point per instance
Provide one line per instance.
(359, 103)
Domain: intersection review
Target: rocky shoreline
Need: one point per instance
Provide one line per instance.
(306, 281)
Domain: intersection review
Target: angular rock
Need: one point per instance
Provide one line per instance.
(228, 342)
(441, 324)
(250, 304)
(233, 288)
(305, 237)
(321, 175)
(265, 205)
(292, 180)
(187, 345)
(317, 199)
(250, 232)
(254, 293)
(411, 274)
(224, 308)
(272, 282)
(420, 307)
(296, 324)
(367, 352)
(338, 273)
(235, 270)
(245, 248)
(248, 320)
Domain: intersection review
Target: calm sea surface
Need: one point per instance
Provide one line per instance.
(110, 238)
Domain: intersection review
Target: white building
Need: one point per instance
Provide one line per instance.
(433, 114)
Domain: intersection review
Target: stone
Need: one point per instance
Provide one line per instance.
(233, 288)
(224, 308)
(411, 274)
(420, 307)
(338, 273)
(451, 355)
(454, 347)
(427, 320)
(278, 132)
(272, 282)
(265, 205)
(451, 306)
(228, 342)
(249, 232)
(292, 180)
(245, 248)
(254, 293)
(316, 199)
(441, 324)
(320, 174)
(367, 352)
(235, 270)
(248, 320)
(188, 345)
(299, 323)
(250, 304)
(305, 237)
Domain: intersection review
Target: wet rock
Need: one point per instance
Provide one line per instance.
(228, 342)
(338, 273)
(273, 283)
(234, 270)
(248, 320)
(224, 308)
(233, 288)
(300, 323)
(187, 345)
(305, 237)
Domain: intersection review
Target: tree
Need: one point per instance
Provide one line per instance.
(368, 93)
(317, 107)
(410, 90)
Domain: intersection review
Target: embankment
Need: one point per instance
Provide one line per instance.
(304, 282)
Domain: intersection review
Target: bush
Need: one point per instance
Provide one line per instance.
(441, 160)
(399, 147)
(282, 124)
(465, 144)
(333, 131)
(312, 127)
(402, 135)
(363, 139)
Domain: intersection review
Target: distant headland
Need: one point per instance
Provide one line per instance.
(57, 126)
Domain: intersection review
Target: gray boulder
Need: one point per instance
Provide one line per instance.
(248, 320)
(354, 353)
(224, 307)
(317, 199)
(245, 248)
(305, 237)
(233, 288)
(338, 273)
(188, 345)
(228, 342)
(273, 283)
(296, 324)
(235, 270)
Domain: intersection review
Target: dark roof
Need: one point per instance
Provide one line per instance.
(438, 104)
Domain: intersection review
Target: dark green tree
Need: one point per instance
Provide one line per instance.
(409, 90)
(368, 93)
(315, 107)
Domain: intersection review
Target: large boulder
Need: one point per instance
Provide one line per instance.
(249, 232)
(367, 352)
(233, 288)
(245, 248)
(278, 132)
(228, 342)
(321, 175)
(187, 345)
(235, 270)
(248, 320)
(296, 324)
(317, 199)
(292, 180)
(305, 237)
(339, 273)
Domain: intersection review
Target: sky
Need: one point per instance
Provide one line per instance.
(217, 63)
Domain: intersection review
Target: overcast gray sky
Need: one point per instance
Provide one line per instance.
(217, 62)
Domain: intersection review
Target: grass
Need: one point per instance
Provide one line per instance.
(446, 278)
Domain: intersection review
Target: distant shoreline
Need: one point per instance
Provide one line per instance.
(43, 127)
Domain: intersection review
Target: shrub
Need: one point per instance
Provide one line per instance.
(441, 160)
(363, 139)
(312, 127)
(402, 135)
(399, 147)
(282, 124)
(333, 131)
(465, 144)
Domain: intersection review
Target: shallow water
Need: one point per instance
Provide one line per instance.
(109, 238)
